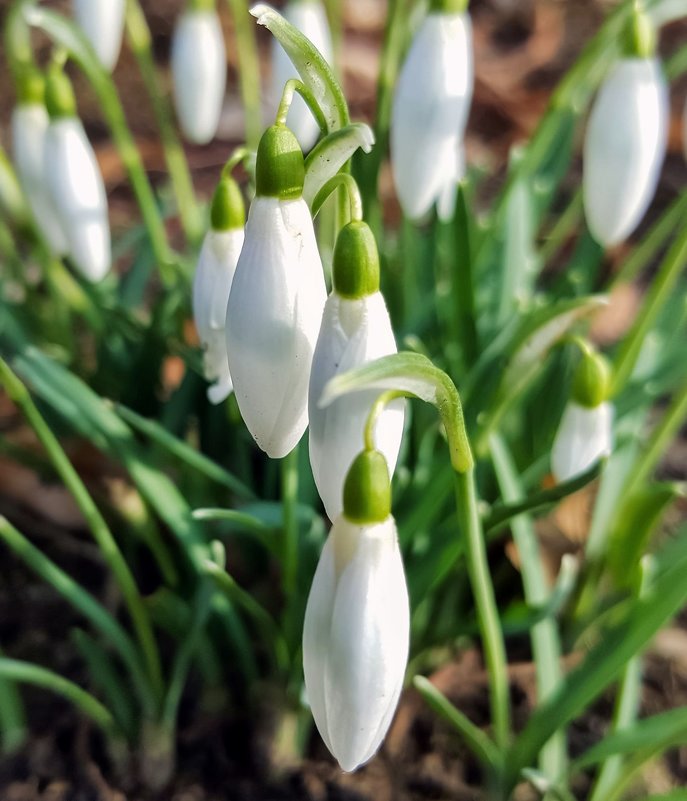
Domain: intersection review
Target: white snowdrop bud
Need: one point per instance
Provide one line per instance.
(75, 183)
(212, 283)
(310, 18)
(102, 21)
(357, 620)
(276, 300)
(30, 122)
(355, 329)
(199, 71)
(429, 114)
(624, 148)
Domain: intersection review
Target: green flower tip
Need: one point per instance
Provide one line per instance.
(279, 170)
(200, 5)
(448, 6)
(592, 381)
(640, 35)
(367, 489)
(355, 269)
(59, 94)
(30, 85)
(228, 210)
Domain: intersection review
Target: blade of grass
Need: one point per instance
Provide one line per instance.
(249, 70)
(96, 523)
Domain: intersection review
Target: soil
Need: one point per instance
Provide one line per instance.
(522, 49)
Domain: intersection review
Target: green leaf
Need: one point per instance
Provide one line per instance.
(331, 153)
(316, 74)
(415, 375)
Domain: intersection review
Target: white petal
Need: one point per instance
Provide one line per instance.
(353, 332)
(273, 317)
(76, 187)
(310, 19)
(584, 436)
(211, 286)
(29, 127)
(368, 640)
(103, 23)
(199, 71)
(430, 109)
(624, 148)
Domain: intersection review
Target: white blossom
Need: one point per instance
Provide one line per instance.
(624, 148)
(353, 332)
(199, 71)
(211, 285)
(102, 21)
(429, 114)
(583, 437)
(355, 638)
(273, 318)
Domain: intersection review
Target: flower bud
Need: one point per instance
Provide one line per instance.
(199, 71)
(276, 300)
(592, 380)
(310, 18)
(102, 21)
(212, 283)
(75, 183)
(624, 148)
(429, 114)
(355, 330)
(583, 437)
(357, 621)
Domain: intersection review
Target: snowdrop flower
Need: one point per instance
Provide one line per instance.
(355, 329)
(214, 275)
(276, 300)
(626, 140)
(356, 628)
(30, 122)
(102, 21)
(430, 110)
(199, 70)
(310, 18)
(74, 182)
(585, 433)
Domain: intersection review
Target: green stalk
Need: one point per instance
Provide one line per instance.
(566, 223)
(487, 613)
(138, 34)
(66, 34)
(546, 644)
(249, 70)
(462, 281)
(27, 673)
(289, 495)
(101, 533)
(13, 732)
(626, 705)
(660, 291)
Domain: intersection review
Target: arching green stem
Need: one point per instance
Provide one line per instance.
(294, 86)
(346, 181)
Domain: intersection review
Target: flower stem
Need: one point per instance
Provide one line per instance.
(249, 71)
(289, 494)
(347, 182)
(487, 614)
(294, 86)
(139, 37)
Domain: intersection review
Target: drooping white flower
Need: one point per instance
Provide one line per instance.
(75, 183)
(212, 283)
(199, 71)
(429, 114)
(276, 300)
(355, 329)
(102, 21)
(624, 148)
(583, 437)
(355, 634)
(310, 17)
(30, 122)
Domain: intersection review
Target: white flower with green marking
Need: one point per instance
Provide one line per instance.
(357, 621)
(276, 300)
